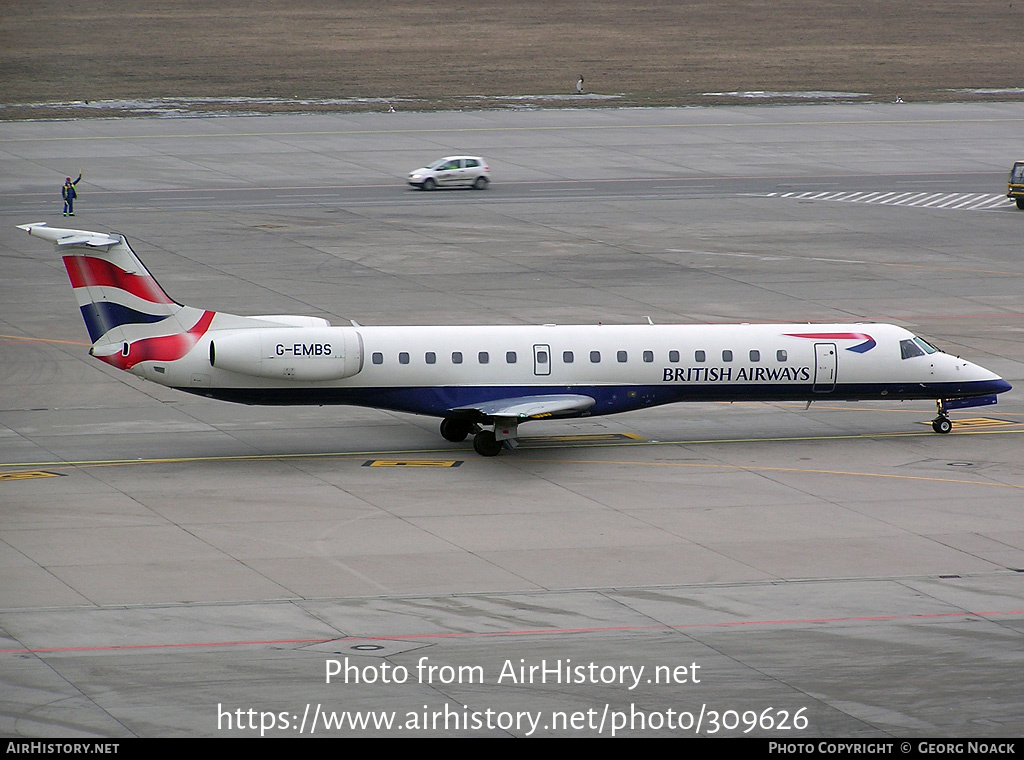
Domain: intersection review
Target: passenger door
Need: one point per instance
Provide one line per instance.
(541, 360)
(825, 367)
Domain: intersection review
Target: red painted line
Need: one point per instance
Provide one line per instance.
(968, 316)
(524, 632)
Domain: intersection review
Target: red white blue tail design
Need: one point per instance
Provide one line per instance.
(129, 317)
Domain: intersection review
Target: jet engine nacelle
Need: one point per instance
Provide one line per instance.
(289, 353)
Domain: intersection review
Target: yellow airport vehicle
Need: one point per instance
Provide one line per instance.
(1015, 187)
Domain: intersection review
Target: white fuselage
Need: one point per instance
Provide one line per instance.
(430, 370)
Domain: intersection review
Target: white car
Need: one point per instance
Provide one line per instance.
(453, 171)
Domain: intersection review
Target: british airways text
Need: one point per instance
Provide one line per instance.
(730, 374)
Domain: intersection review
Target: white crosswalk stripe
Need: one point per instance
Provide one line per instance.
(957, 201)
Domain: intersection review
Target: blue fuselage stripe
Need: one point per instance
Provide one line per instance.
(609, 399)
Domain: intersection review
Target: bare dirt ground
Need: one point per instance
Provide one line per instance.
(303, 55)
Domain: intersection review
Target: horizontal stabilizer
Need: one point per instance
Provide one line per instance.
(530, 407)
(64, 237)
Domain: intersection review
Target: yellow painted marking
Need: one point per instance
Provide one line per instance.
(28, 475)
(45, 340)
(851, 406)
(977, 422)
(584, 437)
(800, 470)
(412, 463)
(520, 457)
(634, 440)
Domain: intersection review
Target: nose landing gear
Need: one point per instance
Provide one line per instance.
(942, 424)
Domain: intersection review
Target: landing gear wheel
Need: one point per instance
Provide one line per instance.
(942, 425)
(485, 444)
(480, 183)
(429, 184)
(455, 430)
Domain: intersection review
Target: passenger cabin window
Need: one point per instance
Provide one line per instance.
(403, 357)
(510, 357)
(430, 357)
(781, 355)
(648, 356)
(456, 357)
(377, 357)
(755, 356)
(699, 356)
(727, 356)
(621, 356)
(673, 356)
(483, 357)
(567, 357)
(595, 357)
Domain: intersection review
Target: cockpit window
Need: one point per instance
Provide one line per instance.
(910, 349)
(916, 346)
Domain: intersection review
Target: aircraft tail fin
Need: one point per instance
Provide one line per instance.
(122, 304)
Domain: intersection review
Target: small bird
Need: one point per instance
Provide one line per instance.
(579, 84)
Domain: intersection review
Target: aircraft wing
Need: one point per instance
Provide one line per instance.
(529, 407)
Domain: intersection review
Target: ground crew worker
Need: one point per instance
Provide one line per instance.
(68, 193)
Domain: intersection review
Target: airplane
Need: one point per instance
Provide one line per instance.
(485, 381)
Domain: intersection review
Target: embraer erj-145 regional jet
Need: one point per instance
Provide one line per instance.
(485, 381)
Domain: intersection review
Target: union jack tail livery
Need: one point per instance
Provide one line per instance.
(129, 316)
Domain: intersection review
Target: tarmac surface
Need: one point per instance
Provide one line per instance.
(175, 566)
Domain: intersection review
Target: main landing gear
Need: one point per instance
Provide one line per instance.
(942, 423)
(457, 431)
(486, 443)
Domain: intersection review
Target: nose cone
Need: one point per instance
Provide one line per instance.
(999, 386)
(968, 380)
(984, 380)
